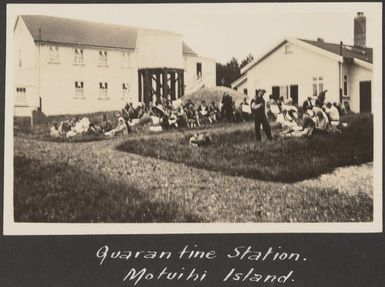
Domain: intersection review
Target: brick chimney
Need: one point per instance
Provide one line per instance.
(360, 30)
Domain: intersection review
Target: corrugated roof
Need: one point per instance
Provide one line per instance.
(80, 32)
(364, 54)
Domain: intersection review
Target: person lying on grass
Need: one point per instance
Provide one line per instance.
(201, 139)
(69, 129)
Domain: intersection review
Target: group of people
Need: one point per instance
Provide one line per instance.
(319, 116)
(67, 129)
(174, 114)
(163, 115)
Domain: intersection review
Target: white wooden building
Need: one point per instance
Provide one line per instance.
(299, 68)
(67, 66)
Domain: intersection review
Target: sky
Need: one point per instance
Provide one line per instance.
(223, 31)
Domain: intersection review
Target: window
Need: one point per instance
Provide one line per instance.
(103, 58)
(125, 60)
(103, 87)
(245, 91)
(315, 90)
(79, 56)
(21, 97)
(288, 49)
(345, 85)
(79, 91)
(318, 86)
(53, 54)
(125, 90)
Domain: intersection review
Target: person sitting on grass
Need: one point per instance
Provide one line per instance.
(81, 127)
(131, 111)
(192, 119)
(105, 124)
(304, 131)
(181, 117)
(246, 110)
(321, 98)
(121, 128)
(213, 112)
(237, 112)
(307, 105)
(285, 120)
(94, 128)
(332, 114)
(291, 109)
(172, 119)
(140, 111)
(54, 131)
(273, 108)
(321, 123)
(203, 111)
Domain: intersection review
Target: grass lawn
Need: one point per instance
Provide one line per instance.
(52, 192)
(101, 182)
(284, 160)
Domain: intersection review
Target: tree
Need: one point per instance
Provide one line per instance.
(228, 73)
(248, 59)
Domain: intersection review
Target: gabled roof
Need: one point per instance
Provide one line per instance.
(350, 52)
(364, 56)
(80, 32)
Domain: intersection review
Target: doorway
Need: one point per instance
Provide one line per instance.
(294, 94)
(365, 96)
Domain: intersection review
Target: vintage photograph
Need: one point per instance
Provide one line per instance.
(194, 113)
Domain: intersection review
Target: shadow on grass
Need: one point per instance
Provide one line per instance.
(320, 204)
(63, 193)
(235, 152)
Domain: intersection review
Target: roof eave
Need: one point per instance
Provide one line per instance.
(82, 45)
(363, 64)
(239, 81)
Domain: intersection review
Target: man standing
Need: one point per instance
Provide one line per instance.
(258, 109)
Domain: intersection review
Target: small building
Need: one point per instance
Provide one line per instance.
(67, 66)
(299, 68)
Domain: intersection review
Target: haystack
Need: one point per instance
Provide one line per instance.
(214, 94)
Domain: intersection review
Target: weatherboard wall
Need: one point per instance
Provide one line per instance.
(54, 81)
(356, 75)
(57, 82)
(26, 69)
(208, 71)
(299, 67)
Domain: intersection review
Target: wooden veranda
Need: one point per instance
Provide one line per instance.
(158, 83)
